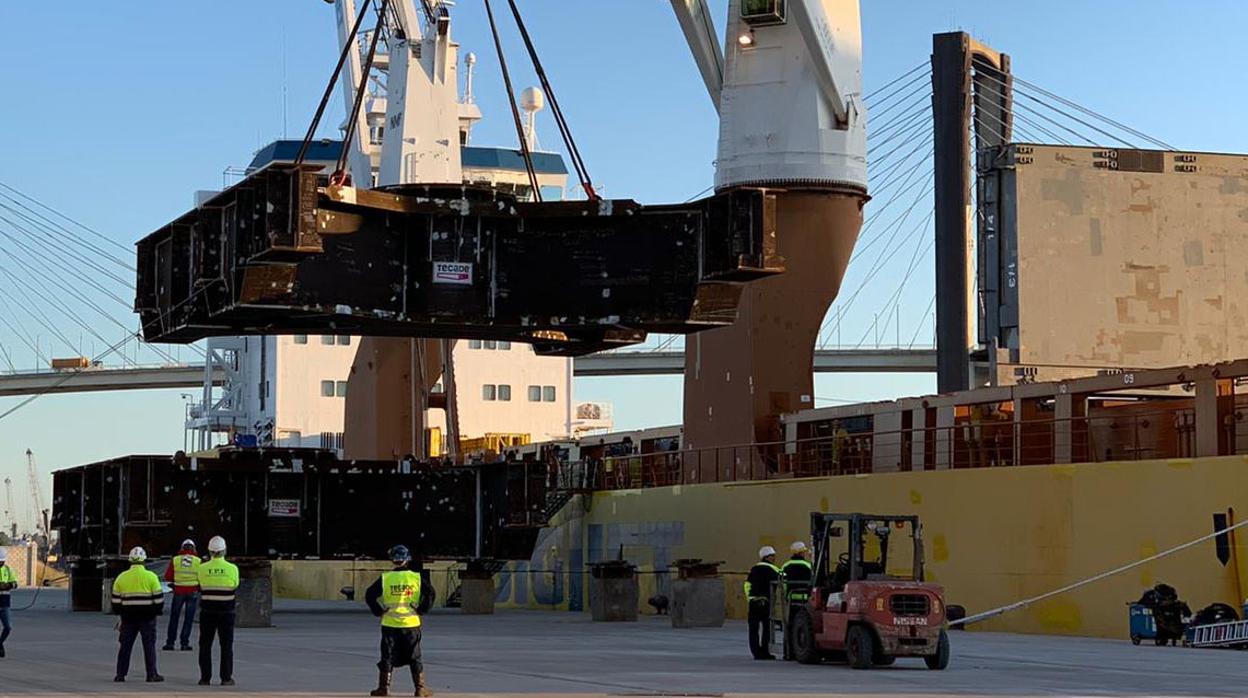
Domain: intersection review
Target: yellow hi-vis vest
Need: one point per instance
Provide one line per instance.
(186, 570)
(7, 577)
(218, 580)
(400, 594)
(137, 589)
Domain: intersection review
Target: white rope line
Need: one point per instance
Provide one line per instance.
(1070, 587)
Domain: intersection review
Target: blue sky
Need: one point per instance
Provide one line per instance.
(116, 112)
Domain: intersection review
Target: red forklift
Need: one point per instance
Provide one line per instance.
(867, 603)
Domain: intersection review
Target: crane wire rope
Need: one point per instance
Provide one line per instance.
(511, 101)
(353, 117)
(347, 47)
(578, 163)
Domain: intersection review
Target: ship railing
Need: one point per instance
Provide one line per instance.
(1160, 434)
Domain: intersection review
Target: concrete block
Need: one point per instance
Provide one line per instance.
(477, 596)
(613, 599)
(255, 595)
(698, 603)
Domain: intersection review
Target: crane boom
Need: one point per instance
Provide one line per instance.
(36, 493)
(9, 512)
(695, 22)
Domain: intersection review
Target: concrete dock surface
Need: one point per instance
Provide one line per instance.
(330, 649)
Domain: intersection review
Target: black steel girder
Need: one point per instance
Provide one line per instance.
(282, 252)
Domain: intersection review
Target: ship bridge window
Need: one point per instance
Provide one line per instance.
(762, 12)
(327, 339)
(301, 339)
(327, 388)
(489, 392)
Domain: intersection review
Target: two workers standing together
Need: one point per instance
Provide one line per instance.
(138, 598)
(795, 577)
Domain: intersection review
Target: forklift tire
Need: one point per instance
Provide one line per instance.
(860, 647)
(802, 638)
(940, 660)
(1135, 639)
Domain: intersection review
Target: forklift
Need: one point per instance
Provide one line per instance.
(871, 605)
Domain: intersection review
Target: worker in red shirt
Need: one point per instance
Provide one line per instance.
(183, 573)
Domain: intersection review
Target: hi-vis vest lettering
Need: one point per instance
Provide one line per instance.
(452, 273)
(218, 580)
(186, 571)
(400, 594)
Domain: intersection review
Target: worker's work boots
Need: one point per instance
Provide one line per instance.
(419, 679)
(383, 684)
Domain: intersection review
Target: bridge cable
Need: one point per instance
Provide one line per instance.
(65, 379)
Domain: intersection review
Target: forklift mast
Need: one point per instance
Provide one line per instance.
(824, 527)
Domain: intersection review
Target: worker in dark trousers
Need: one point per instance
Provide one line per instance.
(8, 582)
(183, 573)
(395, 598)
(218, 584)
(758, 594)
(797, 574)
(138, 599)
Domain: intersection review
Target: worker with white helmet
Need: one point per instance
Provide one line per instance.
(797, 573)
(8, 582)
(758, 594)
(218, 584)
(138, 599)
(183, 573)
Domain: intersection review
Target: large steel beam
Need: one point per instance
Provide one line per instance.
(280, 253)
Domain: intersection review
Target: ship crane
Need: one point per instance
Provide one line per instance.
(9, 513)
(36, 494)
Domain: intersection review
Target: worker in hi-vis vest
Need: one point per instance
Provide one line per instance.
(218, 583)
(797, 573)
(183, 573)
(138, 599)
(758, 593)
(8, 582)
(395, 598)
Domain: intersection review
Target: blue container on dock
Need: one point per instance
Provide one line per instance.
(1143, 627)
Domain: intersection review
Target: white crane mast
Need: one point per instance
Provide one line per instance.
(803, 54)
(409, 128)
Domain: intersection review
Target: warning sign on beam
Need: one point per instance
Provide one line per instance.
(452, 273)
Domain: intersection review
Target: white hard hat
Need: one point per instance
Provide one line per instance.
(216, 545)
(4, 554)
(797, 547)
(188, 543)
(138, 554)
(765, 551)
